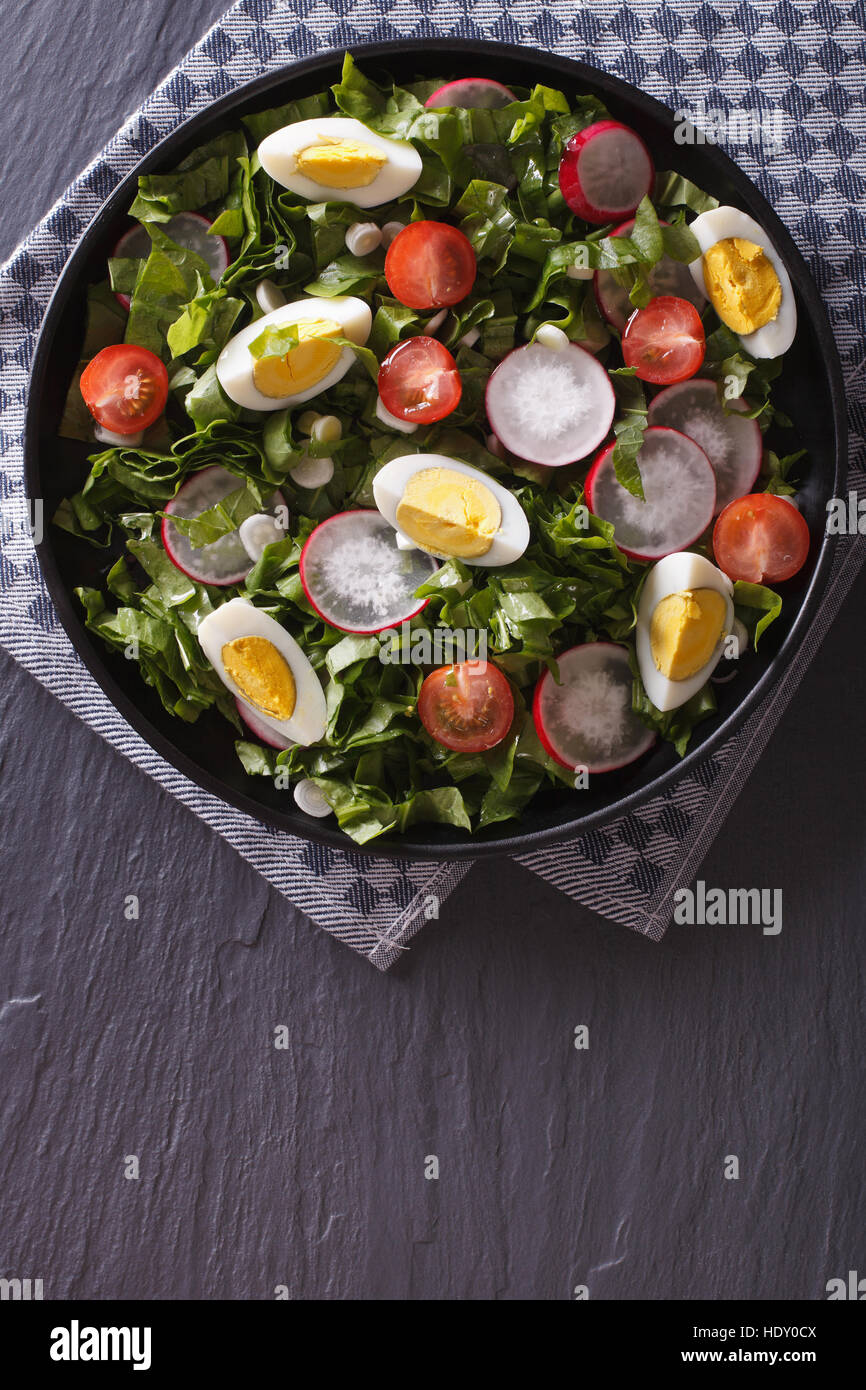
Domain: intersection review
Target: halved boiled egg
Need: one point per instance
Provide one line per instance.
(743, 275)
(265, 669)
(450, 509)
(686, 610)
(337, 159)
(313, 365)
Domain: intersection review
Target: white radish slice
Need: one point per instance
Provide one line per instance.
(122, 441)
(552, 337)
(310, 800)
(667, 276)
(262, 730)
(326, 429)
(357, 578)
(392, 421)
(187, 229)
(362, 238)
(732, 443)
(312, 472)
(269, 296)
(679, 489)
(306, 422)
(604, 172)
(259, 531)
(389, 231)
(472, 92)
(495, 446)
(223, 562)
(550, 407)
(740, 644)
(587, 721)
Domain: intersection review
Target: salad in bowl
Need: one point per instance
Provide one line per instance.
(428, 447)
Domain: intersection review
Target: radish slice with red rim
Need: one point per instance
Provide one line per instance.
(471, 92)
(188, 229)
(732, 443)
(587, 721)
(356, 576)
(224, 561)
(549, 406)
(261, 730)
(667, 277)
(604, 172)
(679, 489)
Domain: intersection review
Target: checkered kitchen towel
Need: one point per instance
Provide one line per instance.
(808, 61)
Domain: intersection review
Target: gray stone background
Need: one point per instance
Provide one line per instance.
(305, 1167)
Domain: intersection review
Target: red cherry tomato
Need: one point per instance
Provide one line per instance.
(468, 707)
(430, 265)
(419, 381)
(125, 388)
(665, 341)
(760, 538)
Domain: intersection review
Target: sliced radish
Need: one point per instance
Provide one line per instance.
(269, 296)
(587, 721)
(732, 444)
(121, 441)
(389, 231)
(224, 561)
(187, 229)
(680, 491)
(310, 800)
(550, 407)
(312, 472)
(258, 532)
(261, 730)
(604, 172)
(552, 337)
(357, 578)
(472, 92)
(667, 276)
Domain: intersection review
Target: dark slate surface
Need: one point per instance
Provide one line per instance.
(305, 1166)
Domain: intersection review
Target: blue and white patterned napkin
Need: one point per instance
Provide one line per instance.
(807, 61)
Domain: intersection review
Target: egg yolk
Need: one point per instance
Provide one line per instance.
(261, 674)
(303, 366)
(685, 631)
(448, 513)
(340, 163)
(742, 285)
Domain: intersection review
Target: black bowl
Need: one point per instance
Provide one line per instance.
(810, 391)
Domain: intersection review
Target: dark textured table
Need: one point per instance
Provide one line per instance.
(304, 1166)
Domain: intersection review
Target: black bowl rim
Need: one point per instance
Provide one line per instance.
(574, 72)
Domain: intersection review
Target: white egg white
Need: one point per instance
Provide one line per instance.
(234, 366)
(279, 151)
(720, 224)
(510, 540)
(240, 618)
(675, 573)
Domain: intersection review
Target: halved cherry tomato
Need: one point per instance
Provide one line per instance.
(419, 381)
(125, 388)
(467, 707)
(760, 538)
(430, 265)
(665, 341)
